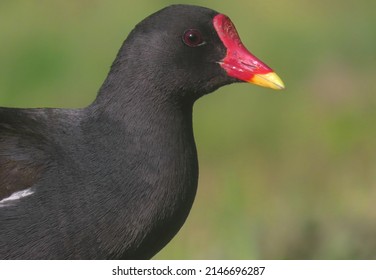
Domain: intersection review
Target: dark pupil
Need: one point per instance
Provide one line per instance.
(193, 38)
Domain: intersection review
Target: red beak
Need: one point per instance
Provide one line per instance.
(239, 63)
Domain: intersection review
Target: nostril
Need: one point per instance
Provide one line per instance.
(251, 66)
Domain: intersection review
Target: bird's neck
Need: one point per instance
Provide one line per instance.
(143, 110)
(148, 144)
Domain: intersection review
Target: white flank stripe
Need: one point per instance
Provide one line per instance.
(15, 196)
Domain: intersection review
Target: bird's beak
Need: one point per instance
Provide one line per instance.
(239, 63)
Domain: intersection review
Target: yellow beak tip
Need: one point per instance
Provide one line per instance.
(270, 80)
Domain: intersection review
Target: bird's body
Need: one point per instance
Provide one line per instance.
(84, 190)
(116, 179)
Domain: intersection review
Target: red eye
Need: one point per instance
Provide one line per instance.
(193, 38)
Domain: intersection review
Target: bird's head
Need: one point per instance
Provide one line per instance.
(191, 51)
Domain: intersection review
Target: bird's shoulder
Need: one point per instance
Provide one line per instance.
(21, 152)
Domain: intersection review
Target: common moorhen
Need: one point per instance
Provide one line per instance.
(117, 179)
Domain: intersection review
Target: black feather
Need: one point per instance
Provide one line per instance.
(115, 180)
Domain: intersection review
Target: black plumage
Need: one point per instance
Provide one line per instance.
(116, 179)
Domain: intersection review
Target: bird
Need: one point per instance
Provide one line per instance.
(116, 179)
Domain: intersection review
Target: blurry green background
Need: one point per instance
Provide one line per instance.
(283, 175)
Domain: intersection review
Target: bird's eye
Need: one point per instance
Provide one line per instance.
(193, 38)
